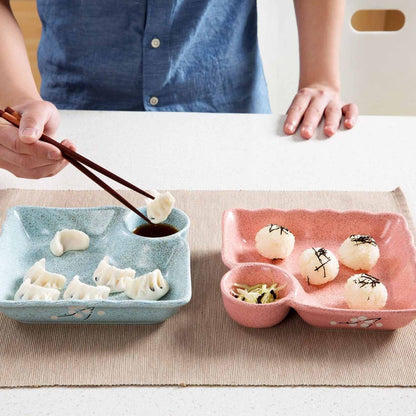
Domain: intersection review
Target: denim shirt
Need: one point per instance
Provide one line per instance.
(155, 55)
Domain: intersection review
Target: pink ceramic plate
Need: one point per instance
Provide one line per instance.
(324, 306)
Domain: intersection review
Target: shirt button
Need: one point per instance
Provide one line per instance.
(154, 101)
(155, 43)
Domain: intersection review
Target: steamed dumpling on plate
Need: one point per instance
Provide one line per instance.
(67, 240)
(29, 291)
(78, 290)
(41, 277)
(113, 277)
(150, 286)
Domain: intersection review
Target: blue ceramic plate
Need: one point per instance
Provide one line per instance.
(25, 239)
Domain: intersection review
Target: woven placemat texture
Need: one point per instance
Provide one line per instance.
(201, 345)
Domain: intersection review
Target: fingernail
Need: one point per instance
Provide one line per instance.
(30, 132)
(54, 155)
(290, 127)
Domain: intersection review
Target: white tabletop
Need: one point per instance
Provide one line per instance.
(221, 151)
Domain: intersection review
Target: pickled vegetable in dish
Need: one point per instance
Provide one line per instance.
(260, 293)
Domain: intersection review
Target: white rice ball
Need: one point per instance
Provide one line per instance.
(359, 252)
(363, 291)
(318, 265)
(275, 242)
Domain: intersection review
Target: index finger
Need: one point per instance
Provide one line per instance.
(9, 138)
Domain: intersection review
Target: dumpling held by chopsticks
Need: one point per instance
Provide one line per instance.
(158, 209)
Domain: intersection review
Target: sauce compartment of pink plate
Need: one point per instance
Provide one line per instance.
(258, 315)
(396, 267)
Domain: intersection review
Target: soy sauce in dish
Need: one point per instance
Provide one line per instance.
(155, 230)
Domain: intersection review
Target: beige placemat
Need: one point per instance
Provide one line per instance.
(201, 345)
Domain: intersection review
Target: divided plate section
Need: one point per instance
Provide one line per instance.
(396, 267)
(25, 239)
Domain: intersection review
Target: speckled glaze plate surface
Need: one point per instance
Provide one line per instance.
(25, 238)
(324, 306)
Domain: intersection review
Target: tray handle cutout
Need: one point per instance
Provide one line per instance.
(378, 20)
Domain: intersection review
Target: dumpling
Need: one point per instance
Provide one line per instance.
(111, 276)
(39, 276)
(29, 291)
(66, 240)
(158, 209)
(150, 286)
(78, 290)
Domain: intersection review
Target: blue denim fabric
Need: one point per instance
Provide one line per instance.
(98, 54)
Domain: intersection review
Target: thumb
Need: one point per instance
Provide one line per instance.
(33, 123)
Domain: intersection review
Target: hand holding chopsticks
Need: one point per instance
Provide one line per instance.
(79, 161)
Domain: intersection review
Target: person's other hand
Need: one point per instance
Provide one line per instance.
(21, 152)
(314, 103)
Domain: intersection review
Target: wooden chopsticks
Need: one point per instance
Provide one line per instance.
(79, 161)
